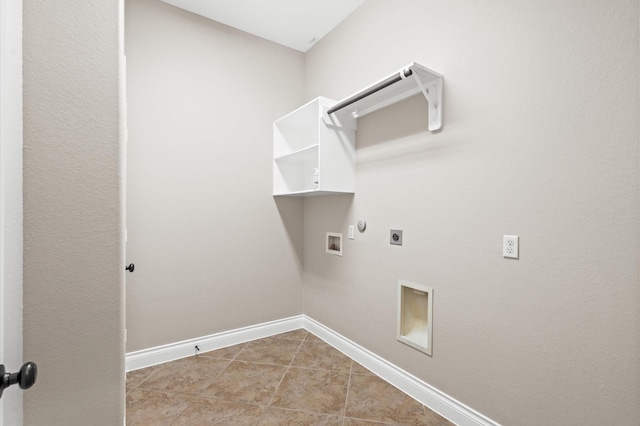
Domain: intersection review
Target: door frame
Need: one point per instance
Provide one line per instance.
(11, 212)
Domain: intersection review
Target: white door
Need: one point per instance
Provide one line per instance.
(11, 204)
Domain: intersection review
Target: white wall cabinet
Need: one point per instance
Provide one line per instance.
(314, 153)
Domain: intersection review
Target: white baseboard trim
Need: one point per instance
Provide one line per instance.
(173, 351)
(433, 398)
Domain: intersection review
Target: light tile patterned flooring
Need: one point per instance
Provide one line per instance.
(292, 378)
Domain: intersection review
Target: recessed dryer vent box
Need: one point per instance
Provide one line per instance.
(415, 316)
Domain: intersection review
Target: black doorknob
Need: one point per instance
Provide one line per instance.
(25, 378)
(27, 375)
(130, 268)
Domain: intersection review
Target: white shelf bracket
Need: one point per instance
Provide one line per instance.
(335, 121)
(433, 94)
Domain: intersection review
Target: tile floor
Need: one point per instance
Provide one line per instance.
(293, 378)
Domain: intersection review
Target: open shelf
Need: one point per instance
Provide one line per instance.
(308, 193)
(406, 82)
(313, 154)
(296, 130)
(299, 155)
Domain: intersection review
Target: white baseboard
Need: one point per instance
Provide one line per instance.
(173, 351)
(433, 398)
(436, 400)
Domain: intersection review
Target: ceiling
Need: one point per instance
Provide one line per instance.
(297, 24)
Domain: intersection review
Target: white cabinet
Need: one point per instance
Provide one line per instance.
(314, 153)
(314, 146)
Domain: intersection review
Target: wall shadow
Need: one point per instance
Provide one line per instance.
(291, 210)
(399, 132)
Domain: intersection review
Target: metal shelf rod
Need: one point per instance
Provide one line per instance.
(383, 84)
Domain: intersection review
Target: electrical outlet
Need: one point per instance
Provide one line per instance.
(510, 246)
(351, 232)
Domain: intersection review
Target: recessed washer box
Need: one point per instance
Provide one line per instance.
(415, 316)
(333, 243)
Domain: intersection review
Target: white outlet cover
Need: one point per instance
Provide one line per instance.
(351, 232)
(510, 245)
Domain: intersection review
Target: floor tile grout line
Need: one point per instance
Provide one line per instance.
(309, 368)
(209, 356)
(330, 370)
(206, 398)
(157, 367)
(353, 372)
(198, 395)
(181, 413)
(346, 398)
(143, 380)
(298, 410)
(272, 364)
(287, 370)
(228, 363)
(208, 353)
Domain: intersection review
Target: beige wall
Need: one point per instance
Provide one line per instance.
(73, 228)
(540, 140)
(213, 250)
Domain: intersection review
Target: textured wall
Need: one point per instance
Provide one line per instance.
(540, 140)
(73, 266)
(11, 203)
(213, 250)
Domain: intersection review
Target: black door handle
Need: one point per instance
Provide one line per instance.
(130, 268)
(25, 378)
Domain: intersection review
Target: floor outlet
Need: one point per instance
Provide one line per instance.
(510, 246)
